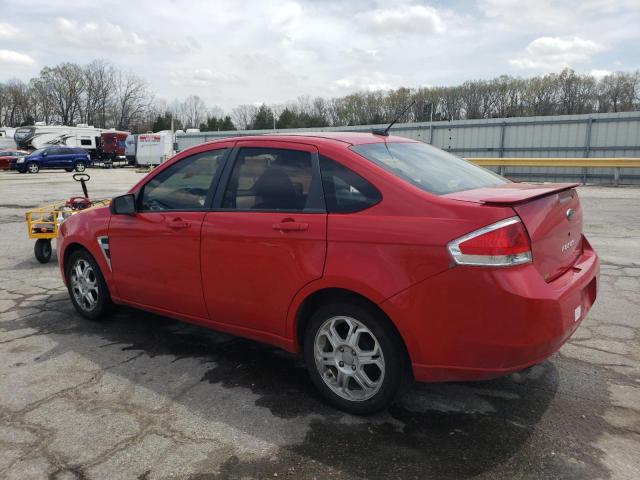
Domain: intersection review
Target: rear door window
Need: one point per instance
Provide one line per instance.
(428, 168)
(344, 190)
(272, 179)
(185, 185)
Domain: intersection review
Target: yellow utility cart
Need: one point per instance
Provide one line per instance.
(43, 222)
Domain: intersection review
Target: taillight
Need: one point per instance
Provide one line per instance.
(500, 244)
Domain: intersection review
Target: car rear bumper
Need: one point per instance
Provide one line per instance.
(477, 323)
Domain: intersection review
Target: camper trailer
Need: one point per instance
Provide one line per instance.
(38, 136)
(154, 148)
(112, 147)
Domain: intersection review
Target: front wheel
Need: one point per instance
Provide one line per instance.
(68, 169)
(33, 167)
(80, 167)
(42, 250)
(86, 285)
(355, 358)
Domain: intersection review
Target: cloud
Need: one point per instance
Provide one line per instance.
(202, 77)
(407, 19)
(599, 74)
(530, 13)
(557, 52)
(90, 35)
(8, 31)
(12, 58)
(367, 82)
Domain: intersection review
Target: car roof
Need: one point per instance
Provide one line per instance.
(350, 138)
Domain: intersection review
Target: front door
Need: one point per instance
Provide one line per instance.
(155, 253)
(266, 238)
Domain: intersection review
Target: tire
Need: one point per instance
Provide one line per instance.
(90, 297)
(33, 167)
(80, 167)
(42, 250)
(68, 169)
(370, 387)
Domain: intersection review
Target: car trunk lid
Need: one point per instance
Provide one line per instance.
(551, 214)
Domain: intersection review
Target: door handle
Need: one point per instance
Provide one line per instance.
(291, 226)
(178, 224)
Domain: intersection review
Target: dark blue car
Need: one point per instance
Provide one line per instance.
(69, 158)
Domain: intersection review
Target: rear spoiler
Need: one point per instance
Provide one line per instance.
(509, 193)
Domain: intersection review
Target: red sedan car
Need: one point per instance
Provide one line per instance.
(6, 156)
(380, 259)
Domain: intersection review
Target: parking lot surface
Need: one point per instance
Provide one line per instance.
(142, 396)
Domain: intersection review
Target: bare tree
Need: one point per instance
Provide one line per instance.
(193, 111)
(132, 100)
(243, 116)
(65, 84)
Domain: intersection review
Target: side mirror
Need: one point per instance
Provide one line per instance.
(124, 204)
(44, 154)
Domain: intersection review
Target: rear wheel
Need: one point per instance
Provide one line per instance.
(86, 285)
(354, 357)
(80, 166)
(42, 250)
(33, 167)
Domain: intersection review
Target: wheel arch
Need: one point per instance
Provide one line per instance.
(334, 294)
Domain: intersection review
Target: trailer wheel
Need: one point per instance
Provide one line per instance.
(42, 250)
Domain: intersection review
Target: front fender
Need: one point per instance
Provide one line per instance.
(83, 229)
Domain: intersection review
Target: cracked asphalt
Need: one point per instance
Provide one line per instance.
(142, 396)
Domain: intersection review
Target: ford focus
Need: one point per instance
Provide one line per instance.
(381, 260)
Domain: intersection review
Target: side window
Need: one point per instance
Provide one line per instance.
(272, 179)
(344, 190)
(85, 141)
(185, 185)
(54, 151)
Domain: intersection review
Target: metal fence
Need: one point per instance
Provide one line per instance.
(604, 135)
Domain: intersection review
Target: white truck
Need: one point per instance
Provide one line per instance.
(154, 148)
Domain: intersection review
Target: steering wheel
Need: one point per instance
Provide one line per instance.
(81, 177)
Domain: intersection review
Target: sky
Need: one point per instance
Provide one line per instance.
(259, 51)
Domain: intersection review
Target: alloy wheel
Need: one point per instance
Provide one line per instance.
(84, 285)
(349, 358)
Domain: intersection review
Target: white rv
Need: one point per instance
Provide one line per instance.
(154, 148)
(38, 136)
(6, 138)
(7, 132)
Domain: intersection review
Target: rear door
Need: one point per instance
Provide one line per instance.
(266, 238)
(155, 253)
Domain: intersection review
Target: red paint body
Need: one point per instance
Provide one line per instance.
(235, 272)
(6, 156)
(112, 144)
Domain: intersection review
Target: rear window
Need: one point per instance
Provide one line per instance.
(428, 168)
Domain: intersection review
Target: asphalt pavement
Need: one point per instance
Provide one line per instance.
(143, 396)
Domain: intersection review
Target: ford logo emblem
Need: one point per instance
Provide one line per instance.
(570, 213)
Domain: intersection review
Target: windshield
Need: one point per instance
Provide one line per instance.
(38, 151)
(428, 168)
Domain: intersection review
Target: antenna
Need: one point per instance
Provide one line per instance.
(385, 132)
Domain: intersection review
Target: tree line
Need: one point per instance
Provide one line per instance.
(102, 95)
